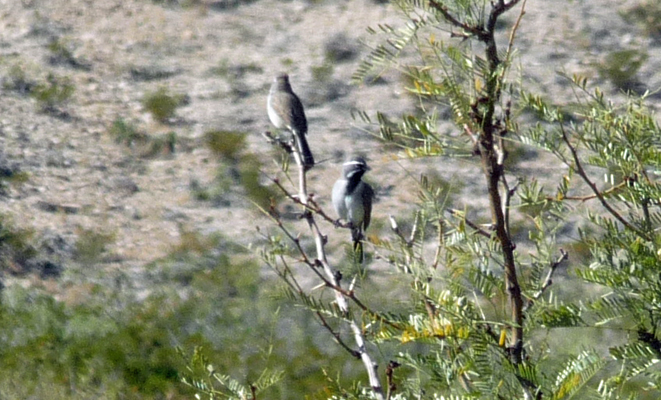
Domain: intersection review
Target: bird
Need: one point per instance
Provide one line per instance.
(286, 112)
(352, 199)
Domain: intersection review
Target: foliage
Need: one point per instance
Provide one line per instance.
(107, 343)
(230, 388)
(226, 144)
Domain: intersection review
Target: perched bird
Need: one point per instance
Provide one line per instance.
(352, 200)
(286, 112)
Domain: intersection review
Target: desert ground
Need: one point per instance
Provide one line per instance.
(221, 56)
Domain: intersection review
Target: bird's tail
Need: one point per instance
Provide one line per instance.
(304, 149)
(357, 237)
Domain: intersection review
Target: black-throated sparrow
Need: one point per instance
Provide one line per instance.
(286, 112)
(352, 200)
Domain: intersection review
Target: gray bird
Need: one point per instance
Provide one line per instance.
(286, 112)
(352, 200)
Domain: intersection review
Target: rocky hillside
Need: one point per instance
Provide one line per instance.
(102, 184)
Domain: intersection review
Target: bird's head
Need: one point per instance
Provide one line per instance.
(356, 166)
(282, 80)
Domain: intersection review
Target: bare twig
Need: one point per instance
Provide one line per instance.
(274, 140)
(408, 243)
(310, 205)
(439, 245)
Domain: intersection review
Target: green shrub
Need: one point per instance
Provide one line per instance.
(322, 73)
(226, 144)
(126, 133)
(61, 55)
(647, 15)
(53, 94)
(620, 68)
(18, 81)
(162, 105)
(91, 245)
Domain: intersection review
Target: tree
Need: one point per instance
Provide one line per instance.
(483, 319)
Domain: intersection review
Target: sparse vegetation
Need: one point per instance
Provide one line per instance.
(60, 54)
(18, 81)
(11, 176)
(92, 245)
(127, 133)
(340, 48)
(647, 15)
(232, 72)
(16, 247)
(322, 73)
(620, 68)
(434, 302)
(53, 95)
(146, 146)
(236, 168)
(162, 105)
(226, 144)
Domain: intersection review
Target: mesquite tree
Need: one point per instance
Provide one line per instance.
(482, 316)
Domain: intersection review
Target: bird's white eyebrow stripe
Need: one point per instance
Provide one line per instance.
(354, 163)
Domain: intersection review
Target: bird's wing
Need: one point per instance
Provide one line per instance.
(368, 197)
(298, 115)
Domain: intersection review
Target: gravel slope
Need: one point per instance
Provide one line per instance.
(223, 56)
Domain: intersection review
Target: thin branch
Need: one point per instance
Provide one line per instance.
(331, 279)
(334, 283)
(581, 172)
(336, 336)
(510, 42)
(274, 140)
(509, 193)
(408, 243)
(311, 205)
(390, 369)
(439, 246)
(498, 9)
(478, 229)
(548, 281)
(591, 196)
(454, 21)
(492, 166)
(288, 276)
